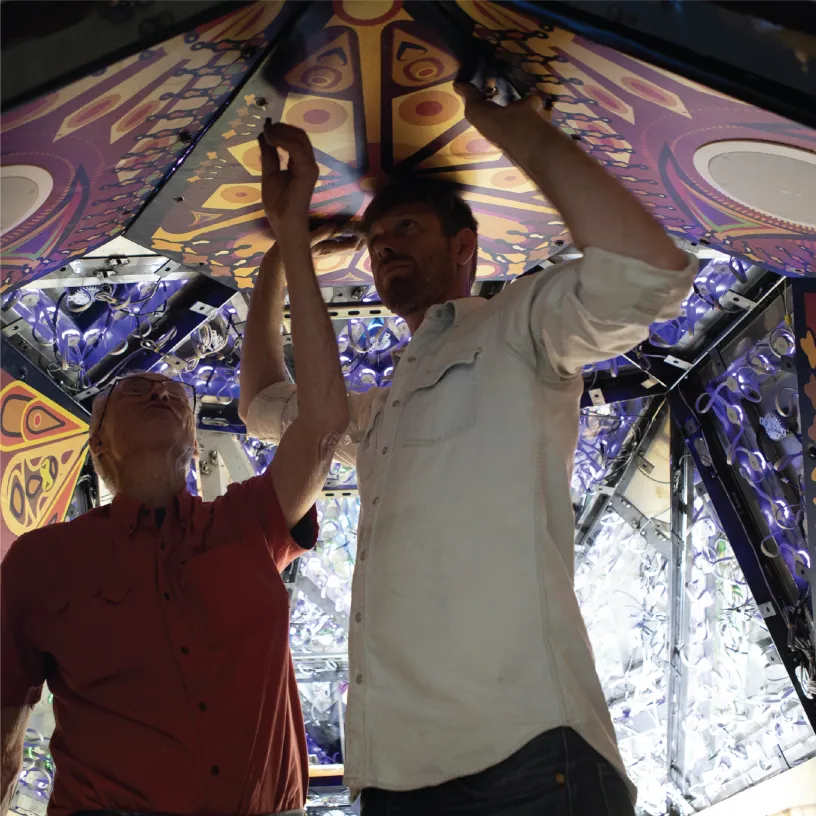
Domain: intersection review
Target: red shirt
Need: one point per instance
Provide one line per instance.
(167, 652)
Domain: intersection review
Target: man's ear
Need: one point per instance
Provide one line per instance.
(195, 450)
(466, 243)
(96, 444)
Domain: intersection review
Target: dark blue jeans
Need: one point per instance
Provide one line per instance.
(556, 774)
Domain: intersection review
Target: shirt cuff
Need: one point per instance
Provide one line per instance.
(304, 533)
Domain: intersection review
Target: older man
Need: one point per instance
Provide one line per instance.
(160, 622)
(473, 689)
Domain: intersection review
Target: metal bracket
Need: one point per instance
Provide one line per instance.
(767, 610)
(14, 328)
(597, 397)
(732, 298)
(88, 392)
(657, 533)
(203, 308)
(676, 362)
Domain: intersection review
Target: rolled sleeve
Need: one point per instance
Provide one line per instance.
(272, 412)
(276, 407)
(594, 308)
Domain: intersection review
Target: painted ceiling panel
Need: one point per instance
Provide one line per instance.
(371, 82)
(78, 164)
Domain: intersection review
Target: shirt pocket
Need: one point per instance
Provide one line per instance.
(441, 402)
(235, 592)
(92, 632)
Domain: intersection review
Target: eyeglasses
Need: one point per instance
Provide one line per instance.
(139, 386)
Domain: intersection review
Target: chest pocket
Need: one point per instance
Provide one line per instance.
(442, 401)
(235, 593)
(94, 632)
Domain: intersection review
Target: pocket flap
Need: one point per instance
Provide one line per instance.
(442, 362)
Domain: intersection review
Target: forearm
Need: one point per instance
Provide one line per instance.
(597, 209)
(9, 773)
(322, 401)
(262, 360)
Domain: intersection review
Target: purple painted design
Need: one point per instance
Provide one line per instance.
(105, 143)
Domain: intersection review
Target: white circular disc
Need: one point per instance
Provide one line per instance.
(23, 190)
(772, 179)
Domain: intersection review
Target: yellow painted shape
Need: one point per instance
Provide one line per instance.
(410, 137)
(340, 142)
(221, 198)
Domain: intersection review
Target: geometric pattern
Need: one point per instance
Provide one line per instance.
(372, 86)
(371, 83)
(645, 125)
(105, 143)
(42, 451)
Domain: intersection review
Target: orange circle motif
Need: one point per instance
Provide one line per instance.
(241, 194)
(428, 108)
(317, 115)
(366, 12)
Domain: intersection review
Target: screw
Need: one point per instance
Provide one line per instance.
(261, 102)
(184, 137)
(249, 51)
(559, 243)
(178, 199)
(812, 451)
(205, 468)
(576, 137)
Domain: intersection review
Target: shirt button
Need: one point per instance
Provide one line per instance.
(560, 778)
(215, 770)
(185, 650)
(358, 679)
(395, 404)
(385, 450)
(358, 617)
(202, 706)
(376, 501)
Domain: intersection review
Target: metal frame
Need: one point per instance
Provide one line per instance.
(806, 370)
(713, 44)
(15, 363)
(648, 427)
(768, 584)
(188, 309)
(682, 508)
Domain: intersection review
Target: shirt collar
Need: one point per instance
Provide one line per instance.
(457, 309)
(126, 510)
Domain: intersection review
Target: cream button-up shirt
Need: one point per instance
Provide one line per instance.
(466, 640)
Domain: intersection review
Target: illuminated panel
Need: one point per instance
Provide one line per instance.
(621, 583)
(742, 721)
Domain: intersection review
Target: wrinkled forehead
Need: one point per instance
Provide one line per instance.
(417, 209)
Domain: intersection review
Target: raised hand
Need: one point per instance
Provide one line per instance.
(286, 193)
(333, 239)
(511, 128)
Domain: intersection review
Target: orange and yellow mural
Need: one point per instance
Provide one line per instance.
(42, 451)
